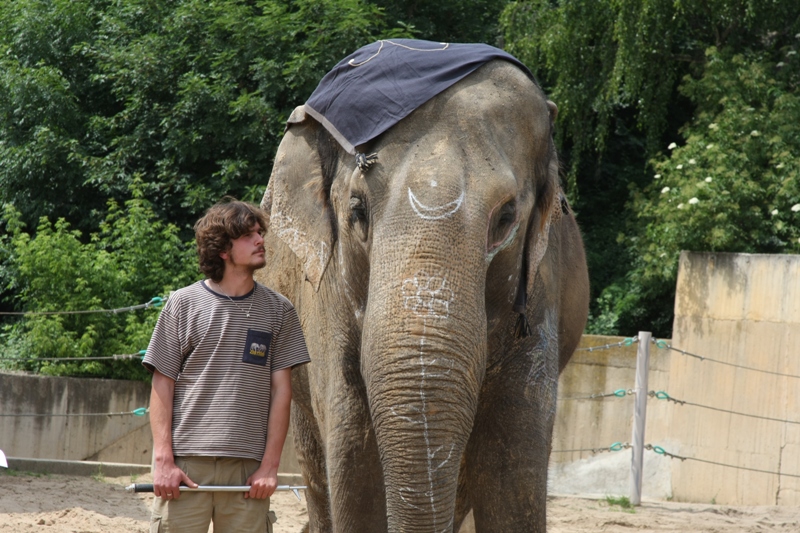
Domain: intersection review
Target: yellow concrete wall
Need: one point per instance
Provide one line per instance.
(109, 439)
(120, 439)
(743, 310)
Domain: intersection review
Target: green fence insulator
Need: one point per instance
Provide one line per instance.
(659, 450)
(661, 395)
(140, 411)
(157, 301)
(620, 393)
(662, 344)
(617, 446)
(142, 352)
(628, 341)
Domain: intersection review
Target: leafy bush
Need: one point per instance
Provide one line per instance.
(733, 185)
(132, 259)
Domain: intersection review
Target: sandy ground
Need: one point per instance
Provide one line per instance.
(63, 504)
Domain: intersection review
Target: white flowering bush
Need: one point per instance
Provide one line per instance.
(734, 185)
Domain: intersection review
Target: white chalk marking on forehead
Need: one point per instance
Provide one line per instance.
(437, 212)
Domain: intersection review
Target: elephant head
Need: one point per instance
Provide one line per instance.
(414, 271)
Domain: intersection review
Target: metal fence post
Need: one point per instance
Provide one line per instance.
(639, 416)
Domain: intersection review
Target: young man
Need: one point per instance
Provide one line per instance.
(221, 357)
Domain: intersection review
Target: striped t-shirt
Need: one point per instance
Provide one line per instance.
(221, 362)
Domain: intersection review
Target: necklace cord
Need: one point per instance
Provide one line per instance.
(252, 298)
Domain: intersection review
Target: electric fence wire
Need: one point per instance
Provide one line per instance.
(617, 446)
(141, 411)
(154, 302)
(661, 451)
(626, 342)
(619, 393)
(115, 357)
(661, 395)
(667, 346)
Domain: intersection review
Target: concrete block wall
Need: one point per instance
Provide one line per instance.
(744, 310)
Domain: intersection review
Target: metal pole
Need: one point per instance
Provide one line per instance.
(639, 416)
(148, 487)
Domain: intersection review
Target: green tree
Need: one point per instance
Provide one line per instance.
(447, 20)
(189, 96)
(44, 84)
(620, 72)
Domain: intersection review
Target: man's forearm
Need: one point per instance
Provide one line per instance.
(161, 397)
(280, 407)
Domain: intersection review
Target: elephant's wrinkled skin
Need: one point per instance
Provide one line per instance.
(421, 403)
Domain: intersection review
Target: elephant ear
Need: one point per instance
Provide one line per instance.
(298, 213)
(546, 212)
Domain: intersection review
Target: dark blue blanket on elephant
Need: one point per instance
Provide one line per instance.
(378, 85)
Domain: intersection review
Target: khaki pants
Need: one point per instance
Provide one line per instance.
(230, 511)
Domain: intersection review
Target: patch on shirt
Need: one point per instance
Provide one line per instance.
(256, 347)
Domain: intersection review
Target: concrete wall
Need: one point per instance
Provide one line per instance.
(108, 439)
(744, 310)
(121, 439)
(583, 423)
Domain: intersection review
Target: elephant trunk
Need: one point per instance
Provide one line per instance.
(423, 358)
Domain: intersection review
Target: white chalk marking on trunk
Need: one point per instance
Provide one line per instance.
(427, 296)
(425, 416)
(437, 212)
(413, 506)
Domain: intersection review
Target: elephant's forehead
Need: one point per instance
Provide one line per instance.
(493, 122)
(495, 109)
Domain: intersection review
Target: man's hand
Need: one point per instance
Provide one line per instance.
(167, 478)
(262, 483)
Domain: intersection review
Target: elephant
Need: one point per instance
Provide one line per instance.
(442, 287)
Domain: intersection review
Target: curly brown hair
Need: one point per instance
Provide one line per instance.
(224, 222)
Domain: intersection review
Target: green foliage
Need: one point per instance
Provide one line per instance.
(188, 96)
(633, 76)
(118, 116)
(133, 258)
(734, 186)
(42, 80)
(447, 20)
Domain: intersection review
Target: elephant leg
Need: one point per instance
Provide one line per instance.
(312, 462)
(508, 452)
(354, 468)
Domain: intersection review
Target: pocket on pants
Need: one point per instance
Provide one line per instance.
(272, 517)
(155, 525)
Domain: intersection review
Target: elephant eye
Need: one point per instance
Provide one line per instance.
(504, 220)
(358, 209)
(507, 215)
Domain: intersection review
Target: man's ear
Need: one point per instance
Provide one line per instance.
(298, 214)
